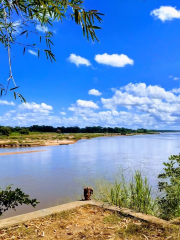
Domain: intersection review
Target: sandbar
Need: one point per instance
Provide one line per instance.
(11, 153)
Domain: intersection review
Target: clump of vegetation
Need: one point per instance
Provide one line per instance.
(36, 129)
(12, 198)
(169, 203)
(6, 131)
(135, 194)
(24, 131)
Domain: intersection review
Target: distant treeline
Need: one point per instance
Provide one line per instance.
(96, 129)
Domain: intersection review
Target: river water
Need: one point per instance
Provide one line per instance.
(59, 174)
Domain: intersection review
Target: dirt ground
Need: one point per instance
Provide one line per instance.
(88, 222)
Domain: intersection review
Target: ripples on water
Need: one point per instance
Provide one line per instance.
(58, 174)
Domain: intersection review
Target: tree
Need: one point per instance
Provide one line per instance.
(24, 131)
(31, 13)
(11, 199)
(170, 187)
(5, 131)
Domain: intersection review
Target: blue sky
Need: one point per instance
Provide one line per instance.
(130, 79)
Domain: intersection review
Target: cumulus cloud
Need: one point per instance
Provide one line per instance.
(94, 92)
(166, 13)
(33, 53)
(160, 105)
(114, 60)
(86, 104)
(153, 92)
(133, 105)
(176, 90)
(78, 60)
(36, 107)
(4, 102)
(42, 28)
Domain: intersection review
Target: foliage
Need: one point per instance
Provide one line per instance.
(21, 18)
(24, 131)
(135, 194)
(11, 199)
(75, 129)
(170, 187)
(5, 131)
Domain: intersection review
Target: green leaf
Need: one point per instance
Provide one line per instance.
(14, 88)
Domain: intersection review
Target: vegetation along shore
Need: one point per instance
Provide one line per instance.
(35, 136)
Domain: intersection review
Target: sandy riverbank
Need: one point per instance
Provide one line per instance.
(7, 144)
(27, 142)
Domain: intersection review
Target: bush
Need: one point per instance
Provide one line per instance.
(11, 199)
(169, 203)
(5, 131)
(24, 131)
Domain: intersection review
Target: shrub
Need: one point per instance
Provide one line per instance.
(169, 203)
(11, 199)
(24, 131)
(5, 131)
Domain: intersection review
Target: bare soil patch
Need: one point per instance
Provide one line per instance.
(88, 222)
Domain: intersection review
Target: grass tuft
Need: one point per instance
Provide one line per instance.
(113, 219)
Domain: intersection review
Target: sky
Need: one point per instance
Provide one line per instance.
(131, 78)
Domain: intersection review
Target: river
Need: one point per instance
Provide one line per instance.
(59, 174)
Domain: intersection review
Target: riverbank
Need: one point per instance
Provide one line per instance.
(52, 139)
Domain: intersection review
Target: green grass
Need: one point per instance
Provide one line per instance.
(135, 194)
(36, 136)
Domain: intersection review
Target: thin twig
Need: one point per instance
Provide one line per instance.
(8, 47)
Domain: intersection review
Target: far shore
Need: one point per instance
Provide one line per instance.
(70, 139)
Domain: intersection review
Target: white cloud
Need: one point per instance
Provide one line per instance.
(94, 92)
(174, 78)
(86, 104)
(36, 107)
(4, 102)
(114, 60)
(124, 99)
(42, 28)
(33, 53)
(154, 92)
(176, 90)
(134, 106)
(78, 60)
(166, 13)
(62, 113)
